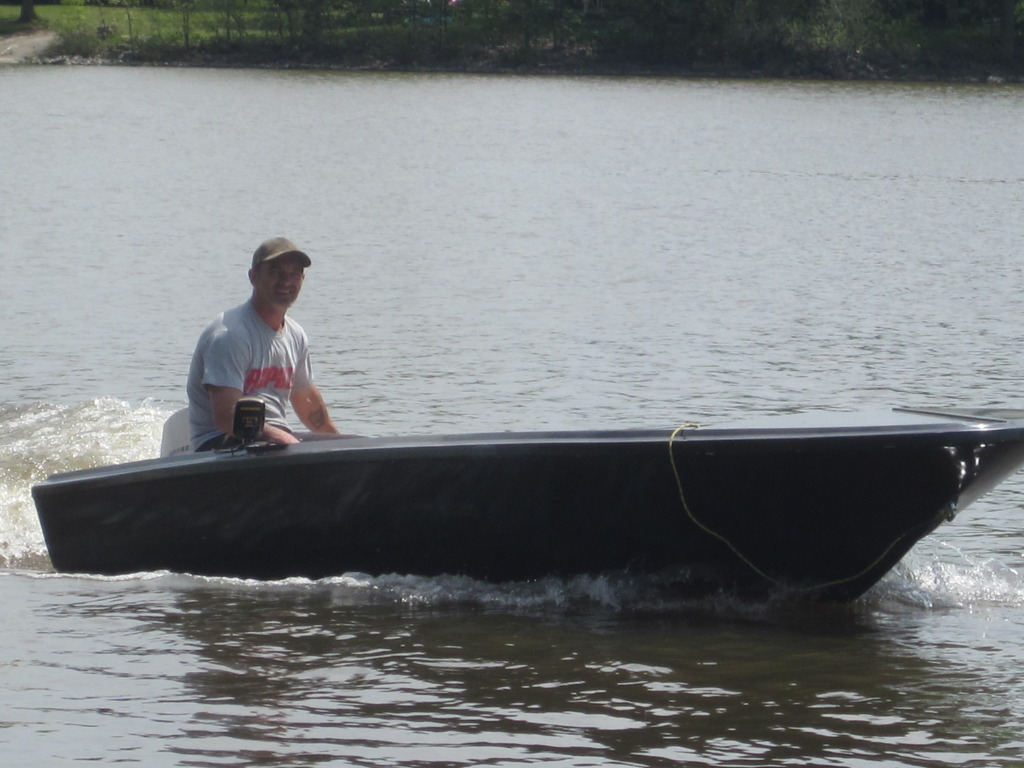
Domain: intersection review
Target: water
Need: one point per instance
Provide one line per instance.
(508, 253)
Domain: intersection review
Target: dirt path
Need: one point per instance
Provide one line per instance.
(16, 48)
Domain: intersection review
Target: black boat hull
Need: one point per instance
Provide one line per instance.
(821, 512)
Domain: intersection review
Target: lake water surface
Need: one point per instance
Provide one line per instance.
(509, 253)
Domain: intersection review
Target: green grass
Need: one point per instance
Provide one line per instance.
(50, 16)
(124, 23)
(57, 17)
(151, 33)
(9, 25)
(159, 35)
(92, 31)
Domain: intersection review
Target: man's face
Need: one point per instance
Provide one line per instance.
(278, 281)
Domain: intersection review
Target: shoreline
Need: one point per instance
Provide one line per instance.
(32, 47)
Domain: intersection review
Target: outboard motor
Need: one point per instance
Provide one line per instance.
(175, 438)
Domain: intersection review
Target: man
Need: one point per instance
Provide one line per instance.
(256, 350)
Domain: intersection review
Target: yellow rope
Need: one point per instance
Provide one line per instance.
(682, 497)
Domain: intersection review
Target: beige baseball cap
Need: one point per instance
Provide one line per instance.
(277, 246)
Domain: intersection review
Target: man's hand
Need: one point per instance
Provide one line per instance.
(277, 435)
(224, 400)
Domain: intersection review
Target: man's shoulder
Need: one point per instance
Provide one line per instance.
(240, 315)
(231, 327)
(295, 331)
(293, 325)
(234, 319)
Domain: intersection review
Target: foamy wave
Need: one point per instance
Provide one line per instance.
(925, 582)
(616, 592)
(40, 439)
(549, 593)
(953, 580)
(920, 583)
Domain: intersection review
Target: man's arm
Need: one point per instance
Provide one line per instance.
(223, 400)
(310, 408)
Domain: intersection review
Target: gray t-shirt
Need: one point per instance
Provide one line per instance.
(239, 350)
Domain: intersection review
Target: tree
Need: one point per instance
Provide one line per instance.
(28, 12)
(1009, 28)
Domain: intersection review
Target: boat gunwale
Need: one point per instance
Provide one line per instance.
(963, 430)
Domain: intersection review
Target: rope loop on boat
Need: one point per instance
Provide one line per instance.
(679, 433)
